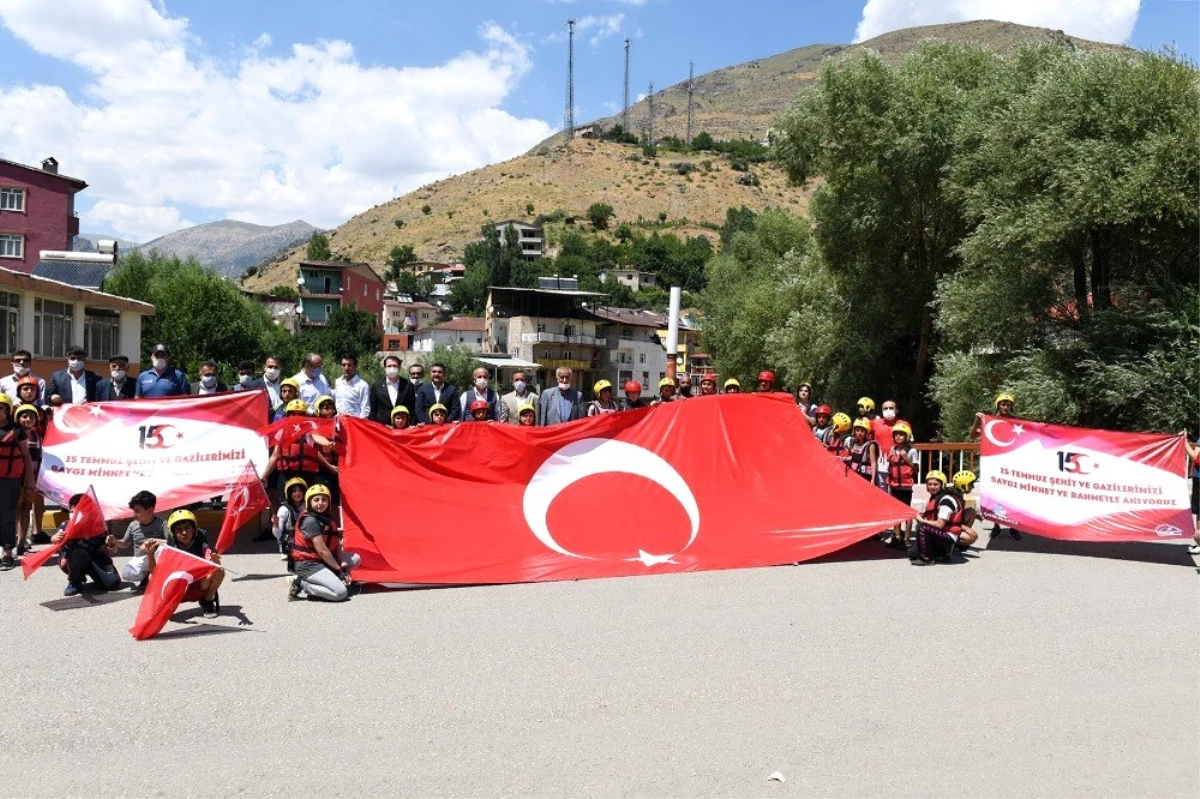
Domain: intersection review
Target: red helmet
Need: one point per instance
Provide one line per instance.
(766, 375)
(27, 380)
(823, 410)
(633, 387)
(478, 405)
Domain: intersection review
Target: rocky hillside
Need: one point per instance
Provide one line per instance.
(742, 101)
(230, 247)
(86, 242)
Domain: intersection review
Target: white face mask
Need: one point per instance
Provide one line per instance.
(117, 374)
(518, 385)
(481, 383)
(271, 373)
(159, 363)
(392, 371)
(208, 381)
(21, 370)
(244, 379)
(889, 414)
(74, 364)
(416, 381)
(564, 384)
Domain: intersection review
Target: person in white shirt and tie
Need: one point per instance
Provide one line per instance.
(352, 394)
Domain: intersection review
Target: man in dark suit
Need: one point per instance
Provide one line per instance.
(119, 386)
(437, 390)
(208, 383)
(394, 389)
(74, 385)
(561, 403)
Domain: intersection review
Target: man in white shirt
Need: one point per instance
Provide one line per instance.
(352, 394)
(312, 382)
(74, 385)
(22, 360)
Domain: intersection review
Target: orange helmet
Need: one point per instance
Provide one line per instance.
(766, 375)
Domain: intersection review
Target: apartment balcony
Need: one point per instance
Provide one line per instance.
(320, 295)
(559, 338)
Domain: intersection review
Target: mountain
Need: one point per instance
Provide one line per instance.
(86, 242)
(229, 246)
(740, 101)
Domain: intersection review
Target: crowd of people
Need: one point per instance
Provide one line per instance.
(302, 475)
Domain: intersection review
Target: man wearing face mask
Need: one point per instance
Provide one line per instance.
(245, 376)
(560, 404)
(21, 361)
(162, 379)
(118, 386)
(312, 381)
(208, 383)
(510, 403)
(392, 390)
(481, 390)
(270, 381)
(74, 385)
(437, 392)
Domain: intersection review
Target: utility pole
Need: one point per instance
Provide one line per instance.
(625, 107)
(569, 115)
(650, 122)
(691, 71)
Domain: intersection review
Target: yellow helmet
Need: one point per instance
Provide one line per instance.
(437, 406)
(322, 400)
(297, 406)
(27, 408)
(6, 400)
(526, 406)
(317, 490)
(841, 423)
(865, 424)
(733, 381)
(1005, 397)
(902, 427)
(287, 381)
(399, 409)
(600, 386)
(963, 480)
(290, 484)
(181, 515)
(866, 402)
(666, 381)
(936, 475)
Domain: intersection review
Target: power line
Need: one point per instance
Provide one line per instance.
(569, 115)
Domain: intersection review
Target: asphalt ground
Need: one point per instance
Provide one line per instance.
(1032, 668)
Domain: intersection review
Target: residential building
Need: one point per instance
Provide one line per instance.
(37, 212)
(461, 330)
(548, 327)
(326, 286)
(403, 314)
(528, 236)
(635, 279)
(281, 309)
(634, 349)
(45, 317)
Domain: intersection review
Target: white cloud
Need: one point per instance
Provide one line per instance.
(602, 27)
(1099, 20)
(310, 133)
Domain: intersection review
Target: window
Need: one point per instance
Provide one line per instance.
(10, 315)
(12, 247)
(328, 310)
(101, 333)
(328, 285)
(641, 357)
(53, 327)
(12, 199)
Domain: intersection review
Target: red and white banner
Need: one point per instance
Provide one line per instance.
(1077, 484)
(708, 483)
(183, 450)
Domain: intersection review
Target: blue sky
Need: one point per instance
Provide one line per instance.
(187, 111)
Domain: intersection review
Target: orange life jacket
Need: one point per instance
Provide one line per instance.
(299, 456)
(954, 524)
(302, 545)
(901, 472)
(12, 462)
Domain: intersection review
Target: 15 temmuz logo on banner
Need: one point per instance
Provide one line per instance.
(1075, 463)
(158, 436)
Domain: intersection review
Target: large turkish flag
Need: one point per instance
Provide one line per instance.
(707, 483)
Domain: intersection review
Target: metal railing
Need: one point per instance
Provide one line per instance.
(948, 457)
(560, 338)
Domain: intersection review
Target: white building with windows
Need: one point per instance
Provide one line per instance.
(461, 330)
(529, 237)
(45, 317)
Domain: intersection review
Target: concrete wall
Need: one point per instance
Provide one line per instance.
(46, 223)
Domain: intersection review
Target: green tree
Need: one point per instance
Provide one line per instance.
(469, 294)
(736, 221)
(398, 258)
(348, 330)
(318, 248)
(598, 214)
(702, 141)
(284, 292)
(460, 361)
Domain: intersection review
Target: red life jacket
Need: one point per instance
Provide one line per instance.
(299, 456)
(901, 472)
(836, 445)
(954, 523)
(302, 545)
(12, 462)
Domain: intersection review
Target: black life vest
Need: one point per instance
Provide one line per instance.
(861, 459)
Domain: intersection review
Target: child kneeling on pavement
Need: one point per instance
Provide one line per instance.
(322, 567)
(82, 558)
(145, 525)
(940, 525)
(182, 533)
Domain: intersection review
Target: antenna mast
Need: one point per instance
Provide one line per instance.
(569, 115)
(625, 107)
(691, 71)
(650, 123)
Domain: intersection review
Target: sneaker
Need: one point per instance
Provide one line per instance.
(283, 556)
(22, 548)
(1194, 549)
(71, 590)
(209, 607)
(7, 563)
(293, 589)
(919, 561)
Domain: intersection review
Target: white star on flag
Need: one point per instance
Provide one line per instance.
(649, 560)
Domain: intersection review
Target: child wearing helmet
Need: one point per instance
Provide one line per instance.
(400, 416)
(902, 464)
(527, 415)
(438, 415)
(16, 475)
(708, 385)
(941, 521)
(666, 391)
(822, 415)
(835, 440)
(322, 567)
(766, 381)
(182, 533)
(866, 408)
(28, 391)
(289, 392)
(633, 396)
(284, 523)
(603, 402)
(864, 454)
(81, 558)
(479, 411)
(732, 386)
(1005, 406)
(298, 458)
(963, 481)
(31, 505)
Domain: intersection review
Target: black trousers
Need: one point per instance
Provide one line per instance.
(82, 564)
(10, 494)
(933, 543)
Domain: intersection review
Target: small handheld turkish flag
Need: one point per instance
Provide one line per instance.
(86, 521)
(245, 501)
(174, 571)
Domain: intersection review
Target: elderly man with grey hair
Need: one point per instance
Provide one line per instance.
(562, 403)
